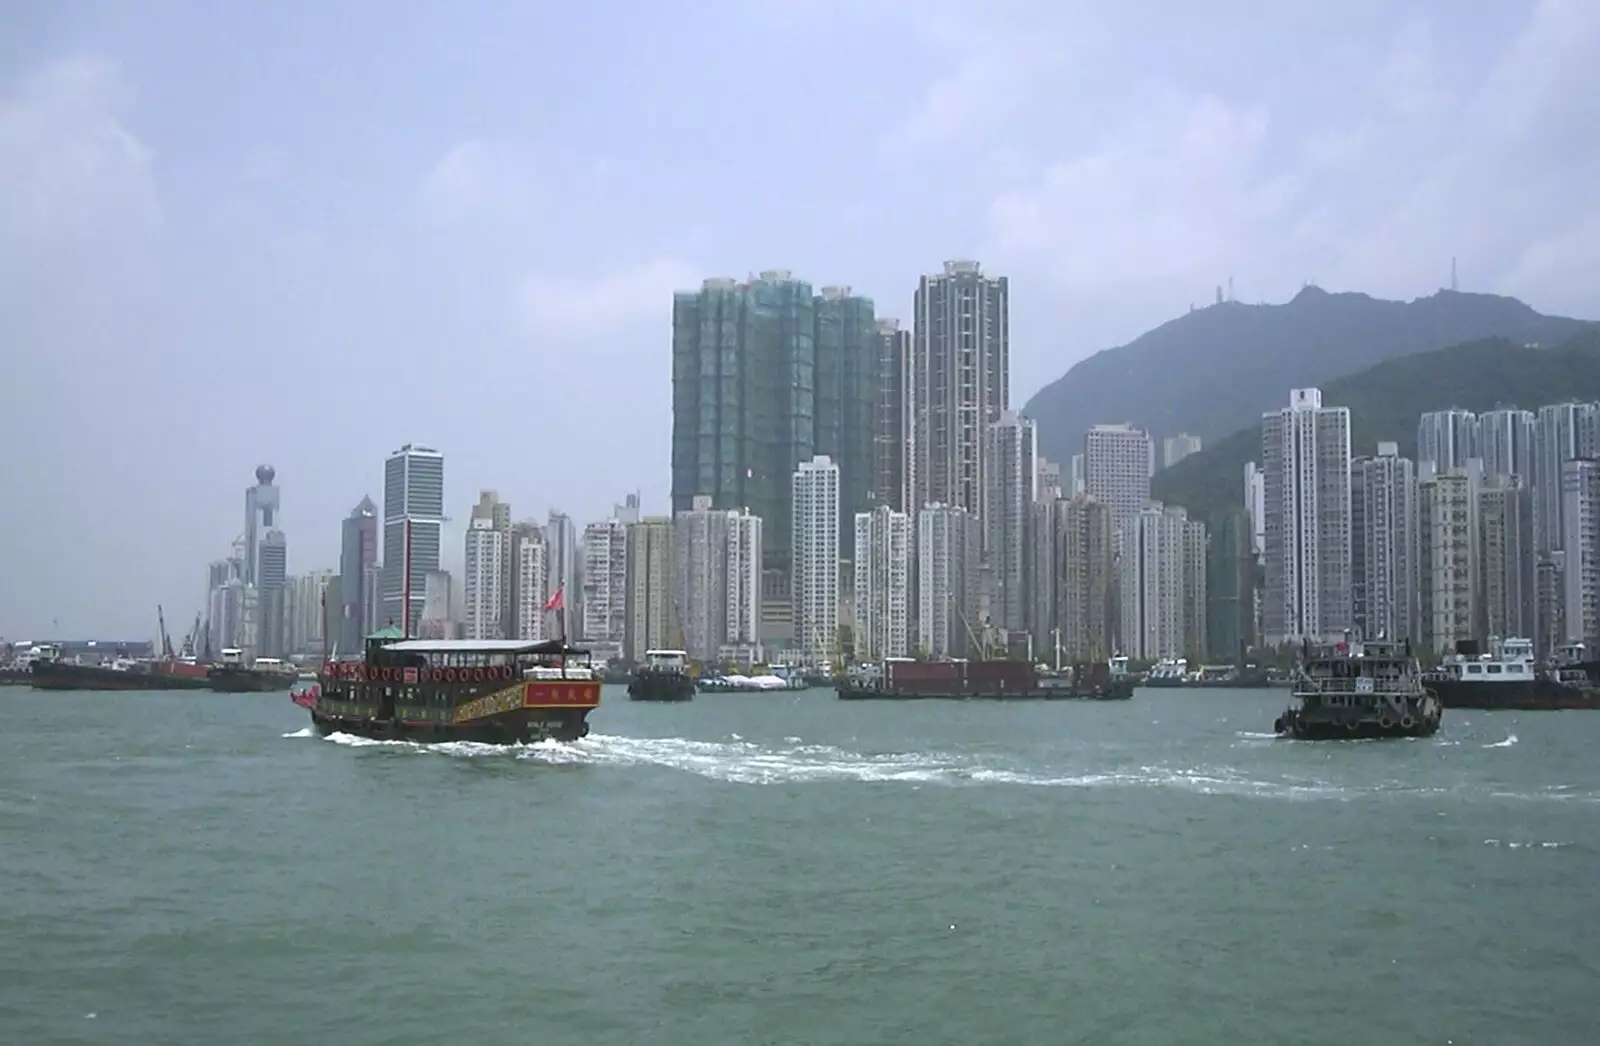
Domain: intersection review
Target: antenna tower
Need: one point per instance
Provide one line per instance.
(1454, 286)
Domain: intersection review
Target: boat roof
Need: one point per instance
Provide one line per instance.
(482, 646)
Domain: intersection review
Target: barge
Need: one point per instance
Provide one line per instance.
(1354, 690)
(903, 679)
(230, 675)
(1507, 677)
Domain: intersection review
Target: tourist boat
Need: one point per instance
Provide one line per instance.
(230, 675)
(1357, 690)
(664, 676)
(1508, 677)
(497, 691)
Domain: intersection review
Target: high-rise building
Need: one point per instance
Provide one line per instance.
(413, 501)
(1506, 443)
(1384, 571)
(652, 619)
(565, 553)
(485, 572)
(531, 583)
(1447, 552)
(744, 410)
(1447, 438)
(717, 574)
(1305, 465)
(1049, 485)
(1116, 470)
(1562, 432)
(1013, 476)
(260, 516)
(846, 401)
(605, 587)
(962, 361)
(1077, 482)
(1580, 543)
(1175, 448)
(438, 594)
(894, 431)
(949, 552)
(358, 570)
(304, 612)
(1163, 585)
(882, 584)
(1255, 503)
(1074, 592)
(816, 559)
(1230, 588)
(1508, 600)
(272, 571)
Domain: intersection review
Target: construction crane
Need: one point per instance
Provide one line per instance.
(166, 640)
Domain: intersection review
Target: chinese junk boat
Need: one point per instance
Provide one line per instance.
(1359, 690)
(430, 690)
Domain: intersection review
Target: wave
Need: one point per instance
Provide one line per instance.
(1510, 739)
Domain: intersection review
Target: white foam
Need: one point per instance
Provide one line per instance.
(1510, 740)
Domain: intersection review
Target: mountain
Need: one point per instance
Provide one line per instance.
(1385, 402)
(1214, 370)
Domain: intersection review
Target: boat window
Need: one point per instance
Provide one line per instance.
(1473, 670)
(1494, 670)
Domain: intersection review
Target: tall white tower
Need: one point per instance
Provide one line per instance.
(815, 586)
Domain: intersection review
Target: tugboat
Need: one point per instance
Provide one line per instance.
(1359, 690)
(1508, 678)
(507, 691)
(664, 676)
(230, 675)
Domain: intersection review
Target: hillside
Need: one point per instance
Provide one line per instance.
(1386, 400)
(1214, 370)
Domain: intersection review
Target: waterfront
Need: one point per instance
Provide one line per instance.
(792, 869)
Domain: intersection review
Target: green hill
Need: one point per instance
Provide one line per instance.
(1385, 402)
(1214, 370)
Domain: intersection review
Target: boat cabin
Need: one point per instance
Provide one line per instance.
(231, 657)
(673, 661)
(551, 659)
(1508, 660)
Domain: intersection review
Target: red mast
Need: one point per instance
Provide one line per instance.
(405, 598)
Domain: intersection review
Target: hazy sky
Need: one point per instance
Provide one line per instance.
(305, 233)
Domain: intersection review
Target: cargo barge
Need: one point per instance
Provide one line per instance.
(903, 679)
(426, 690)
(1507, 678)
(230, 675)
(1355, 690)
(119, 674)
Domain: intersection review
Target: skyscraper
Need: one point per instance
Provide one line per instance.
(358, 566)
(816, 559)
(272, 571)
(652, 618)
(717, 571)
(1116, 470)
(485, 572)
(1447, 438)
(1562, 432)
(1163, 585)
(949, 550)
(961, 363)
(1013, 477)
(530, 573)
(1305, 466)
(744, 407)
(413, 493)
(847, 390)
(1447, 551)
(1384, 570)
(894, 432)
(605, 587)
(565, 554)
(1506, 443)
(882, 583)
(1509, 604)
(1580, 515)
(260, 515)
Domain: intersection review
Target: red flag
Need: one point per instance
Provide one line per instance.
(556, 601)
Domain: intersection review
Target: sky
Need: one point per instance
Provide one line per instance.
(306, 233)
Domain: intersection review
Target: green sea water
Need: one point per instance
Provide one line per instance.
(197, 868)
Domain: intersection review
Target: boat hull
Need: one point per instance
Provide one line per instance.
(1207, 684)
(1109, 692)
(523, 726)
(235, 680)
(55, 675)
(1523, 695)
(660, 686)
(1301, 728)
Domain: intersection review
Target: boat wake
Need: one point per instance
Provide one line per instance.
(738, 761)
(1510, 740)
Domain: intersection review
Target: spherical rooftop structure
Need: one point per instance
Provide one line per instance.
(265, 474)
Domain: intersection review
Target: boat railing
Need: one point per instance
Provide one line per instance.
(1354, 684)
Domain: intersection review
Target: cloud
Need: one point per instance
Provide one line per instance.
(70, 170)
(991, 71)
(478, 178)
(623, 298)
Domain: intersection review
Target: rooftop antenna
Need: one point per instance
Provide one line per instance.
(1230, 288)
(1454, 286)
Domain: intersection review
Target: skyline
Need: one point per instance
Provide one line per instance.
(221, 229)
